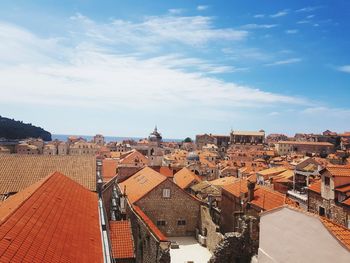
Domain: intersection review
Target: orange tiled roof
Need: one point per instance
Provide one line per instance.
(109, 168)
(166, 171)
(237, 188)
(121, 238)
(55, 221)
(267, 199)
(346, 202)
(340, 232)
(224, 181)
(316, 187)
(134, 155)
(185, 177)
(20, 171)
(343, 189)
(154, 229)
(339, 170)
(141, 183)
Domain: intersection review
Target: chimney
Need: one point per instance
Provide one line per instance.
(251, 187)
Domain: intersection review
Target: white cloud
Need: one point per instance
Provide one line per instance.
(303, 22)
(259, 26)
(345, 68)
(202, 7)
(308, 9)
(310, 16)
(259, 16)
(274, 113)
(280, 13)
(327, 112)
(94, 77)
(285, 62)
(292, 31)
(156, 30)
(176, 11)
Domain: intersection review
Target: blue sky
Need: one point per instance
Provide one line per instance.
(120, 67)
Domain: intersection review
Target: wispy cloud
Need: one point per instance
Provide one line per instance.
(156, 30)
(258, 26)
(345, 68)
(292, 31)
(284, 62)
(176, 11)
(308, 9)
(202, 7)
(259, 16)
(280, 13)
(128, 81)
(303, 22)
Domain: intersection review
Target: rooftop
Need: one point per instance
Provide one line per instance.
(141, 183)
(185, 177)
(316, 187)
(306, 143)
(121, 238)
(20, 171)
(55, 220)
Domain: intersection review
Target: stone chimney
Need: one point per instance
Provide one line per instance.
(251, 187)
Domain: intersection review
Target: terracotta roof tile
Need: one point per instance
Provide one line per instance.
(166, 171)
(224, 181)
(340, 232)
(57, 222)
(316, 187)
(268, 199)
(133, 157)
(109, 169)
(154, 229)
(339, 170)
(185, 177)
(20, 171)
(121, 238)
(141, 183)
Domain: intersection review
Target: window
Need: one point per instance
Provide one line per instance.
(321, 211)
(181, 222)
(166, 193)
(326, 180)
(160, 222)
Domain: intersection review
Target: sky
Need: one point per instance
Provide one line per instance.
(121, 67)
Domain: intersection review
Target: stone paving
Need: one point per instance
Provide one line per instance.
(189, 251)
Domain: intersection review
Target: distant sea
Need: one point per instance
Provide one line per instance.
(64, 137)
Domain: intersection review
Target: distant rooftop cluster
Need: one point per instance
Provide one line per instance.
(228, 196)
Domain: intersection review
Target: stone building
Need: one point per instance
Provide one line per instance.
(303, 147)
(83, 148)
(174, 211)
(25, 148)
(99, 139)
(330, 196)
(62, 148)
(204, 139)
(50, 149)
(247, 137)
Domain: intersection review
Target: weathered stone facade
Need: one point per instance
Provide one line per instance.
(178, 207)
(210, 229)
(332, 210)
(148, 249)
(237, 246)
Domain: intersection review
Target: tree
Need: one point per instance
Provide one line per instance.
(188, 139)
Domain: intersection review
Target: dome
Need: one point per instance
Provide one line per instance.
(192, 156)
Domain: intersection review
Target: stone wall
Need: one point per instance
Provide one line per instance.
(148, 249)
(209, 228)
(125, 172)
(180, 206)
(333, 210)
